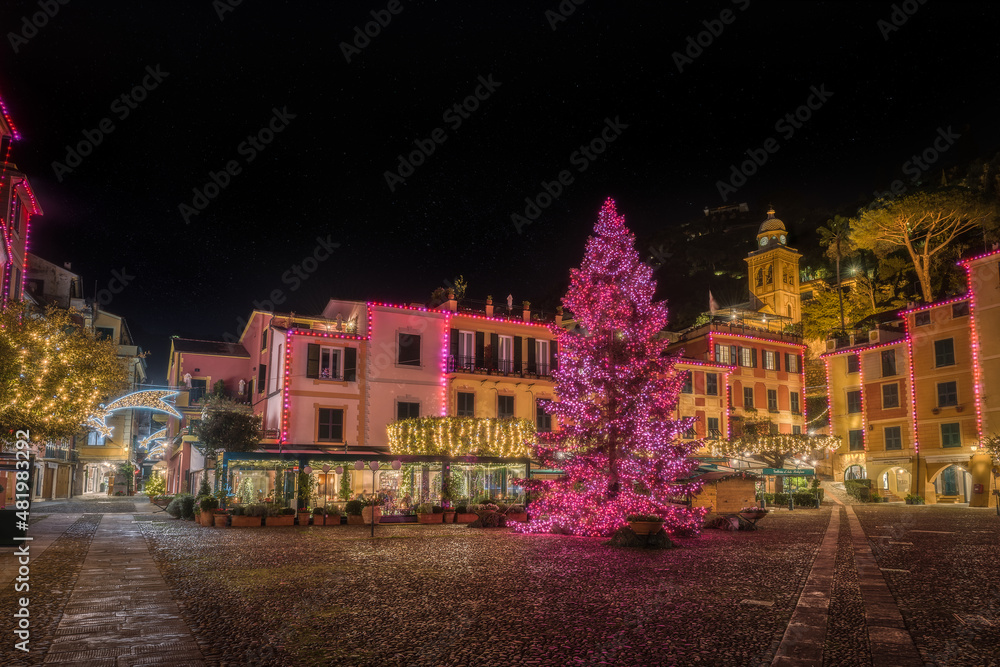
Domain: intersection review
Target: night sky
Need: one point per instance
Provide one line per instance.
(886, 90)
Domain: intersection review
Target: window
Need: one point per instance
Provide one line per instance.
(15, 212)
(466, 350)
(542, 356)
(724, 354)
(263, 340)
(104, 333)
(505, 406)
(409, 349)
(856, 440)
(407, 410)
(712, 384)
(689, 432)
(329, 364)
(505, 352)
(794, 400)
(543, 420)
(893, 437)
(748, 357)
(792, 363)
(796, 429)
(890, 396)
(944, 352)
(748, 398)
(772, 400)
(888, 363)
(947, 394)
(262, 378)
(960, 309)
(331, 425)
(686, 388)
(922, 318)
(95, 439)
(951, 435)
(770, 275)
(853, 363)
(713, 428)
(198, 390)
(760, 277)
(466, 404)
(769, 360)
(853, 401)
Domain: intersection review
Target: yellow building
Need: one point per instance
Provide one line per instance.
(704, 397)
(500, 366)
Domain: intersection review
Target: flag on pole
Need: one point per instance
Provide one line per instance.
(712, 305)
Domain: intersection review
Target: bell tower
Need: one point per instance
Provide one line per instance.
(774, 272)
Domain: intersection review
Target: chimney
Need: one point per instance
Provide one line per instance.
(526, 306)
(452, 303)
(559, 315)
(489, 306)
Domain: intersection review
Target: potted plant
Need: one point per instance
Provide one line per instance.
(332, 517)
(353, 509)
(465, 513)
(208, 505)
(914, 499)
(516, 513)
(278, 516)
(247, 516)
(369, 506)
(428, 513)
(318, 514)
(644, 524)
(449, 514)
(221, 518)
(304, 514)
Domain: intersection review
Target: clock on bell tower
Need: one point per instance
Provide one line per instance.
(774, 272)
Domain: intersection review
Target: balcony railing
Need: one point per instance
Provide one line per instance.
(504, 367)
(60, 454)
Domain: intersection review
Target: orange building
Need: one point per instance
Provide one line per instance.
(704, 396)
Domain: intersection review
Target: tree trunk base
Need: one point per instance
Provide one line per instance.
(625, 537)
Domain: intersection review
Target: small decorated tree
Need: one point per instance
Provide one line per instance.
(619, 445)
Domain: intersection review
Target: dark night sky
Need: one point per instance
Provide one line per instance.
(324, 174)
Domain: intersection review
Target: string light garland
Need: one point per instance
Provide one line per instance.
(146, 399)
(153, 437)
(620, 448)
(977, 371)
(462, 436)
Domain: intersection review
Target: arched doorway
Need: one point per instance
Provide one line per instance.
(854, 472)
(895, 481)
(953, 483)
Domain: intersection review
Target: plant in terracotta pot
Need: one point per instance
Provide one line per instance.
(280, 516)
(208, 505)
(318, 513)
(221, 518)
(247, 516)
(353, 509)
(465, 513)
(332, 517)
(516, 513)
(371, 505)
(426, 513)
(644, 524)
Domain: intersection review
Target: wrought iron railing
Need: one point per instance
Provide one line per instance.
(501, 367)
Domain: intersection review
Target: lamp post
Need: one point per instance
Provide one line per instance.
(374, 466)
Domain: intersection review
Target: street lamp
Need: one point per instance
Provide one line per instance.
(374, 466)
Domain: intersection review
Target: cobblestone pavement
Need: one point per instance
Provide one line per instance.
(146, 589)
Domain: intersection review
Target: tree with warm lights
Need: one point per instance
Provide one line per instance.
(761, 440)
(53, 373)
(619, 446)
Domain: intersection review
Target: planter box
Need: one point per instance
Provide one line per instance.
(304, 518)
(246, 521)
(207, 519)
(355, 520)
(399, 518)
(221, 520)
(430, 518)
(517, 516)
(366, 514)
(466, 517)
(449, 517)
(330, 520)
(283, 520)
(645, 527)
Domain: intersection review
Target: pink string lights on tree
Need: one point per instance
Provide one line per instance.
(619, 445)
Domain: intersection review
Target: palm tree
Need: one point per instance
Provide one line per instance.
(836, 237)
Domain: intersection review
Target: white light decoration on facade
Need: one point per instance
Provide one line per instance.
(148, 399)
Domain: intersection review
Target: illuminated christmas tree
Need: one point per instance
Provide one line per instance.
(619, 445)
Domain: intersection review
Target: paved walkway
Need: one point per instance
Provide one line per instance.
(121, 612)
(888, 638)
(42, 533)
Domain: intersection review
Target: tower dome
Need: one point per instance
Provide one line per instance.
(772, 231)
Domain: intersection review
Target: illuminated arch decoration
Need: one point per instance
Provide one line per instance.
(153, 437)
(148, 399)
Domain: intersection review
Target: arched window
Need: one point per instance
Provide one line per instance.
(789, 309)
(784, 276)
(770, 275)
(760, 277)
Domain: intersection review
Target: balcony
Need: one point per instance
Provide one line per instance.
(504, 368)
(60, 454)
